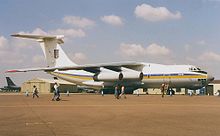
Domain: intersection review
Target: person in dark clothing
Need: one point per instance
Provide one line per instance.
(35, 92)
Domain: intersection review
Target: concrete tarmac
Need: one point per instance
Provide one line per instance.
(94, 115)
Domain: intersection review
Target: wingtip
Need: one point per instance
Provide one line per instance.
(11, 71)
(14, 35)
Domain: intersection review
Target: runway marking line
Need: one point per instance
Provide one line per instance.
(37, 123)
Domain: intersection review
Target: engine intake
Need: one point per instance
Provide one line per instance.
(132, 75)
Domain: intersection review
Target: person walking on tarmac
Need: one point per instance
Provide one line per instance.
(35, 92)
(56, 94)
(116, 92)
(122, 92)
(162, 90)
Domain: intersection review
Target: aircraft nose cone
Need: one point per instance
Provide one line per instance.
(210, 78)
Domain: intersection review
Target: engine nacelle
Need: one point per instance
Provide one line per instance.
(108, 76)
(125, 74)
(132, 75)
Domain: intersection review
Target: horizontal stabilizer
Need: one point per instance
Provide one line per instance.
(27, 70)
(41, 37)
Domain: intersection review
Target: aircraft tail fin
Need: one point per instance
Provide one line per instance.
(10, 82)
(54, 54)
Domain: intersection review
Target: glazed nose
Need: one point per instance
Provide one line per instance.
(210, 78)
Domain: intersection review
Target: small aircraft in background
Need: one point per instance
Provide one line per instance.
(11, 87)
(129, 75)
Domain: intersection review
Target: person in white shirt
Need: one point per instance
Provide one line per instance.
(56, 92)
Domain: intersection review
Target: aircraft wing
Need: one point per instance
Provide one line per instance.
(28, 70)
(94, 68)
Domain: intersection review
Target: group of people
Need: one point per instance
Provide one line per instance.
(165, 89)
(119, 92)
(56, 92)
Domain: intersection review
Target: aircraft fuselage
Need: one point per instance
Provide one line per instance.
(154, 75)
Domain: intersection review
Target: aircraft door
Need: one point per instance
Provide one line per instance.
(147, 75)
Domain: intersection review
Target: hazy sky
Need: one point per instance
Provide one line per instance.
(96, 31)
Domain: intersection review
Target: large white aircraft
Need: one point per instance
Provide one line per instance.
(131, 75)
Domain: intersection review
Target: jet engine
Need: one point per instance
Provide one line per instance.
(129, 74)
(125, 74)
(108, 76)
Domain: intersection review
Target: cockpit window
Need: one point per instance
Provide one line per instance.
(198, 70)
(201, 72)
